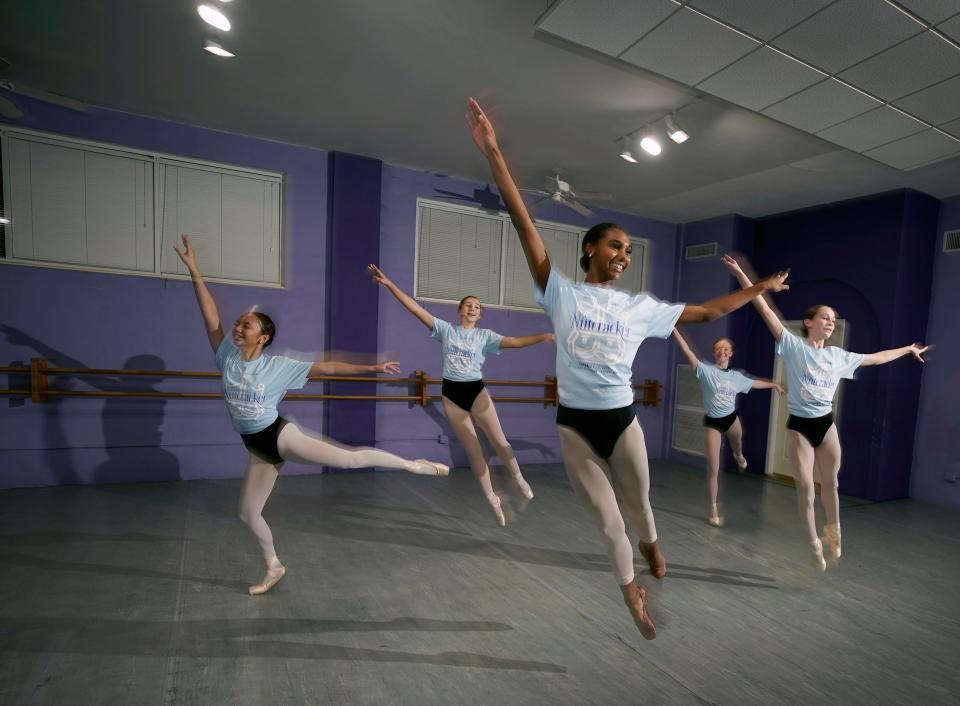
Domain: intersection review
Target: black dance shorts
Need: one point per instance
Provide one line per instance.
(462, 394)
(814, 428)
(721, 424)
(600, 427)
(263, 443)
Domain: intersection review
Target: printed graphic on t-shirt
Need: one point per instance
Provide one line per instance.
(725, 394)
(818, 383)
(245, 402)
(597, 335)
(460, 354)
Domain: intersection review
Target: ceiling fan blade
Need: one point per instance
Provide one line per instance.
(534, 204)
(594, 195)
(578, 207)
(538, 192)
(47, 97)
(9, 109)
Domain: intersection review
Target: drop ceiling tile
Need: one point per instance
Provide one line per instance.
(953, 127)
(822, 105)
(917, 150)
(761, 79)
(608, 26)
(916, 63)
(936, 104)
(951, 28)
(688, 47)
(931, 11)
(872, 129)
(846, 33)
(761, 18)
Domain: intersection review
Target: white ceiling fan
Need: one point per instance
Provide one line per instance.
(560, 191)
(9, 90)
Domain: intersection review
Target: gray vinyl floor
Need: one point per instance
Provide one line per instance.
(401, 590)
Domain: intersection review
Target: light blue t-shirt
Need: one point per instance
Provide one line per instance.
(720, 388)
(599, 330)
(464, 349)
(253, 389)
(813, 374)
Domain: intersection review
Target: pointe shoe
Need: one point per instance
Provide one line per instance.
(741, 462)
(816, 556)
(428, 468)
(636, 599)
(271, 579)
(525, 490)
(715, 519)
(494, 501)
(831, 543)
(651, 552)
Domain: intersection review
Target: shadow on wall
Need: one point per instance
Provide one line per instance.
(131, 426)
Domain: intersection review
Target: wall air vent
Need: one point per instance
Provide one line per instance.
(951, 241)
(700, 252)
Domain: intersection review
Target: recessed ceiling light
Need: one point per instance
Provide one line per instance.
(215, 48)
(213, 16)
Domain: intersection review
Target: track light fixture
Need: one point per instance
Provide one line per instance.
(674, 132)
(647, 139)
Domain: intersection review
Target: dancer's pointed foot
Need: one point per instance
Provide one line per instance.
(741, 462)
(716, 516)
(816, 556)
(831, 543)
(525, 490)
(636, 599)
(272, 578)
(651, 552)
(427, 468)
(497, 507)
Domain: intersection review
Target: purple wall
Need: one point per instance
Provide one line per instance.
(937, 449)
(870, 259)
(113, 321)
(101, 320)
(352, 309)
(530, 428)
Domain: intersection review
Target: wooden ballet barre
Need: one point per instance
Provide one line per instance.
(40, 371)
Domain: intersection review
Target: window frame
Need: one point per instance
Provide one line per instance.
(157, 159)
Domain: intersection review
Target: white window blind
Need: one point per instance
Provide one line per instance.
(79, 206)
(458, 255)
(563, 247)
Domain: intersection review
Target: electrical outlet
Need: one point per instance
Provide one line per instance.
(442, 439)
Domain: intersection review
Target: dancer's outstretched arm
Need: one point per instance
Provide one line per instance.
(685, 348)
(881, 357)
(208, 307)
(408, 302)
(486, 140)
(768, 313)
(764, 384)
(343, 367)
(721, 306)
(524, 341)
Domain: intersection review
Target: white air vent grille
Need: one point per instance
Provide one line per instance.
(700, 252)
(951, 241)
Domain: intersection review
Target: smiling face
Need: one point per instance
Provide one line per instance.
(470, 311)
(723, 352)
(819, 323)
(609, 256)
(247, 332)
